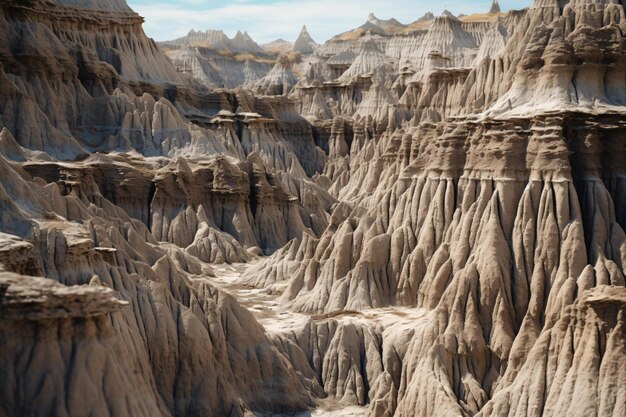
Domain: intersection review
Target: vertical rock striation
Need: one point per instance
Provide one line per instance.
(441, 206)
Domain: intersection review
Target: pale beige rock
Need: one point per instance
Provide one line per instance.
(413, 220)
(304, 44)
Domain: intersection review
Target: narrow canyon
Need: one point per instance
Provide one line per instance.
(420, 219)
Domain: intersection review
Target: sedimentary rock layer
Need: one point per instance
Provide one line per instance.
(433, 214)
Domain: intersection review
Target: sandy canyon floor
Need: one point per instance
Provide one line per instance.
(277, 318)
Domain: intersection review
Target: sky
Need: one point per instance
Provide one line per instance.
(267, 20)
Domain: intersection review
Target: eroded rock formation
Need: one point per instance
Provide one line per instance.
(431, 216)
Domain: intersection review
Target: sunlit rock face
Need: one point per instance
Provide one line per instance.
(408, 220)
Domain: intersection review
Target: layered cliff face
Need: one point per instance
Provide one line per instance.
(144, 335)
(98, 96)
(218, 61)
(488, 195)
(122, 180)
(408, 220)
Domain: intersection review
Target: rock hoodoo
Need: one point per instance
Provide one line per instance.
(495, 7)
(305, 43)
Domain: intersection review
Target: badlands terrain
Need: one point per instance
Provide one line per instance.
(408, 220)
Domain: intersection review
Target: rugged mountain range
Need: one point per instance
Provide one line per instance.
(220, 62)
(407, 220)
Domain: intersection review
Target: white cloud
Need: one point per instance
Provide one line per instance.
(283, 19)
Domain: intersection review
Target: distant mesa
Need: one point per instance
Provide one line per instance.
(242, 42)
(277, 46)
